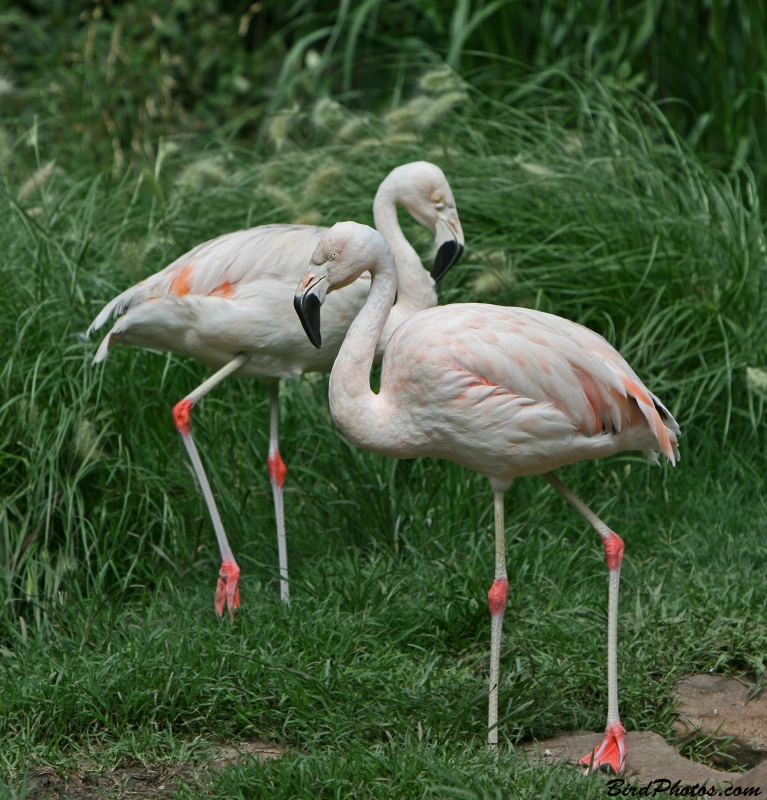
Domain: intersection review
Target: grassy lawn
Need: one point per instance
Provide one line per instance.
(375, 678)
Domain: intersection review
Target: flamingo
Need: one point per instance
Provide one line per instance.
(226, 303)
(503, 391)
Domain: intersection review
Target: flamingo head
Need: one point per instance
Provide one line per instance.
(346, 251)
(424, 191)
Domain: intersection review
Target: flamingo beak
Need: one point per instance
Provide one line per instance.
(449, 241)
(308, 300)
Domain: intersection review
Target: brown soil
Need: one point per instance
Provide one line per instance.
(731, 716)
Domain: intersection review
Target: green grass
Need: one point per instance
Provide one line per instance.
(110, 649)
(376, 643)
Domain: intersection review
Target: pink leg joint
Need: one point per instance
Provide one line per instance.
(182, 413)
(277, 468)
(497, 595)
(614, 548)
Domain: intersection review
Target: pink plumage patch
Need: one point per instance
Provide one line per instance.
(637, 392)
(593, 402)
(225, 290)
(647, 407)
(473, 382)
(479, 380)
(182, 283)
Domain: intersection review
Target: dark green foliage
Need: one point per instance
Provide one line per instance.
(125, 73)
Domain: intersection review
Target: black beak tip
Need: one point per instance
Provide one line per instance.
(308, 310)
(447, 255)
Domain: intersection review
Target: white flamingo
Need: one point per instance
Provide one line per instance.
(227, 303)
(503, 391)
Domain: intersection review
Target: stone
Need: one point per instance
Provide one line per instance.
(712, 705)
(754, 777)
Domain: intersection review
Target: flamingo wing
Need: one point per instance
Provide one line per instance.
(526, 375)
(228, 266)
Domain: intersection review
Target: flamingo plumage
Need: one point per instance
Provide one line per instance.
(503, 391)
(227, 303)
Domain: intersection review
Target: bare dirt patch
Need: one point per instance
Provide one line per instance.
(141, 780)
(729, 713)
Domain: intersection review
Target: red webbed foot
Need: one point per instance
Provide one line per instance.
(228, 588)
(610, 753)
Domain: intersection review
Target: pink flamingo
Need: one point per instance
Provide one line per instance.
(226, 303)
(503, 391)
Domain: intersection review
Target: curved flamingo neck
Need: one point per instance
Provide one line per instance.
(415, 287)
(355, 408)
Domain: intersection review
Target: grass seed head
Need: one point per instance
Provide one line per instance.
(37, 181)
(201, 173)
(756, 380)
(328, 114)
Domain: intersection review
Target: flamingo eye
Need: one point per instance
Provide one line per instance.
(333, 255)
(437, 197)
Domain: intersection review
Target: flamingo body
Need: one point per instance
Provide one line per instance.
(233, 295)
(503, 391)
(227, 304)
(506, 392)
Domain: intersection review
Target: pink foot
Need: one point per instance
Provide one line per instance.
(228, 588)
(611, 753)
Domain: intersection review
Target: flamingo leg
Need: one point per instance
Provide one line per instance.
(227, 588)
(496, 600)
(612, 751)
(277, 470)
